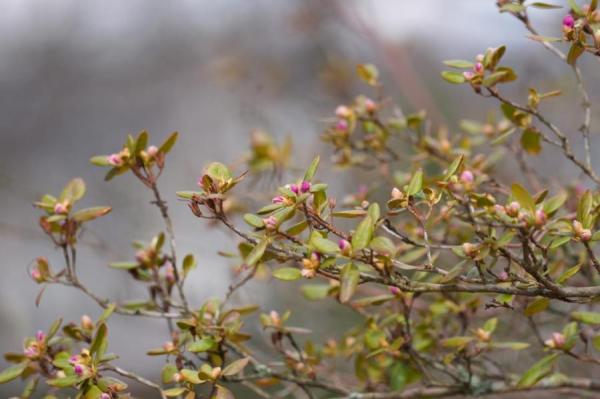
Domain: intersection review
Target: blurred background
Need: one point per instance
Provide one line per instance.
(77, 77)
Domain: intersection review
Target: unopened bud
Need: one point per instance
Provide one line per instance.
(37, 276)
(275, 319)
(105, 396)
(557, 341)
(370, 105)
(397, 194)
(467, 177)
(61, 208)
(345, 247)
(568, 22)
(478, 68)
(468, 75)
(279, 199)
(503, 275)
(295, 189)
(513, 209)
(479, 57)
(114, 160)
(152, 150)
(540, 217)
(86, 322)
(79, 369)
(343, 112)
(482, 335)
(305, 186)
(40, 336)
(215, 373)
(169, 346)
(395, 291)
(470, 249)
(586, 235)
(270, 223)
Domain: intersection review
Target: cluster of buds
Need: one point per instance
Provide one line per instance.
(575, 24)
(301, 188)
(270, 223)
(584, 235)
(310, 265)
(478, 69)
(146, 257)
(36, 348)
(557, 341)
(81, 363)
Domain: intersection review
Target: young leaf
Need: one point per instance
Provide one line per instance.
(12, 372)
(453, 77)
(257, 252)
(461, 64)
(323, 245)
(235, 367)
(523, 197)
(416, 183)
(88, 214)
(350, 277)
(73, 191)
(362, 235)
(537, 371)
(287, 274)
(166, 146)
(312, 169)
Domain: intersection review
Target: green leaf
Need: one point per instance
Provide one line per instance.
(545, 6)
(168, 371)
(349, 214)
(124, 265)
(350, 277)
(12, 372)
(100, 160)
(368, 73)
(584, 209)
(523, 197)
(456, 342)
(312, 169)
(65, 382)
(166, 146)
(73, 191)
(553, 204)
(537, 371)
(490, 325)
(558, 242)
(495, 78)
(456, 271)
(315, 292)
(100, 342)
(88, 214)
(512, 7)
(576, 50)
(217, 171)
(383, 245)
(453, 168)
(461, 64)
(287, 274)
(537, 306)
(362, 235)
(531, 141)
(188, 195)
(586, 317)
(416, 183)
(53, 329)
(189, 264)
(201, 345)
(107, 312)
(235, 367)
(141, 142)
(191, 376)
(172, 392)
(323, 245)
(568, 273)
(257, 252)
(543, 39)
(575, 7)
(453, 77)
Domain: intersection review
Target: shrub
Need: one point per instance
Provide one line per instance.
(437, 273)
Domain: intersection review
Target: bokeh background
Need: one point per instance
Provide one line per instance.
(76, 77)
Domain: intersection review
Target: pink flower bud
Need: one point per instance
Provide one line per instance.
(468, 75)
(294, 188)
(278, 199)
(503, 275)
(105, 396)
(499, 209)
(540, 217)
(170, 273)
(467, 177)
(40, 336)
(478, 68)
(470, 249)
(74, 359)
(343, 244)
(586, 235)
(270, 223)
(152, 150)
(37, 276)
(32, 351)
(341, 125)
(513, 209)
(370, 105)
(86, 322)
(568, 21)
(79, 369)
(114, 160)
(308, 273)
(60, 208)
(479, 57)
(343, 112)
(395, 291)
(559, 339)
(305, 186)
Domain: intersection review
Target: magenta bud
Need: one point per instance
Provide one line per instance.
(60, 208)
(503, 276)
(559, 339)
(568, 21)
(278, 199)
(73, 359)
(270, 223)
(467, 176)
(78, 368)
(40, 336)
(114, 160)
(343, 244)
(294, 188)
(478, 68)
(395, 290)
(305, 186)
(341, 125)
(31, 351)
(105, 396)
(36, 276)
